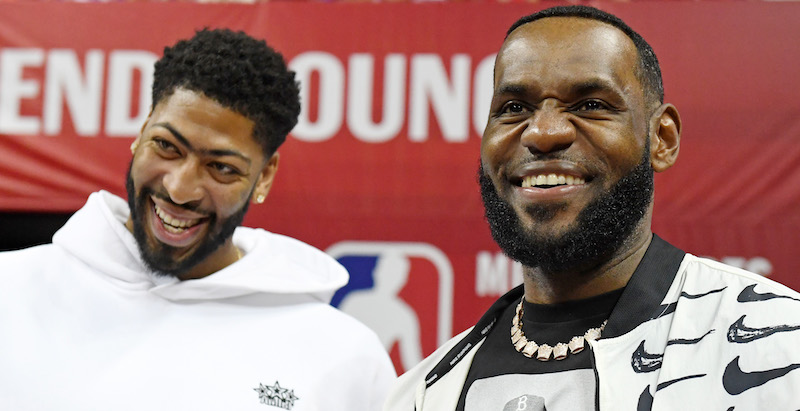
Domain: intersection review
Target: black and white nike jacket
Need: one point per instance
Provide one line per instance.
(688, 333)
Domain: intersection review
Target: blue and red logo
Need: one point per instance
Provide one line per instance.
(403, 291)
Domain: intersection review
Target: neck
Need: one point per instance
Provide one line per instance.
(612, 274)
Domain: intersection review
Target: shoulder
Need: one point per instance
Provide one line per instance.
(277, 246)
(357, 348)
(344, 334)
(704, 270)
(350, 327)
(29, 259)
(247, 236)
(749, 306)
(404, 390)
(291, 265)
(30, 275)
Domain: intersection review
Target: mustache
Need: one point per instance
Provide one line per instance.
(557, 156)
(193, 206)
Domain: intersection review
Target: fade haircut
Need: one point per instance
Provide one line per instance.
(238, 71)
(648, 72)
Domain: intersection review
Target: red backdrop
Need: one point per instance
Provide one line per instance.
(392, 163)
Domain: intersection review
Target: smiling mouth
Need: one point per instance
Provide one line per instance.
(550, 180)
(175, 225)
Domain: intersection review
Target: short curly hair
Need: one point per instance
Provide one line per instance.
(649, 71)
(239, 72)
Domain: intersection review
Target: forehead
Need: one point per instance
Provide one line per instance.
(566, 49)
(194, 106)
(201, 119)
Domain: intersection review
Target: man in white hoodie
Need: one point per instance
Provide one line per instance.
(163, 302)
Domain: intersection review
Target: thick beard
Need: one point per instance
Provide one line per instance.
(159, 259)
(600, 230)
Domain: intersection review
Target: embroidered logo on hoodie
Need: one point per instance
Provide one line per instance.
(276, 396)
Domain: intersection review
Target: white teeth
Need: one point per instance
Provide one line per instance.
(173, 230)
(551, 179)
(174, 225)
(541, 180)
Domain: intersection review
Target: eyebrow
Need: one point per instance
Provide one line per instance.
(216, 152)
(583, 88)
(592, 86)
(511, 89)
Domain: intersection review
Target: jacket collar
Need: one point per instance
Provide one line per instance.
(639, 302)
(646, 289)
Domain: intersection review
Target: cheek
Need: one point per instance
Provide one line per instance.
(138, 175)
(623, 146)
(496, 149)
(145, 169)
(228, 201)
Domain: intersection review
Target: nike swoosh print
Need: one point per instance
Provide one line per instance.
(643, 362)
(682, 341)
(665, 309)
(737, 381)
(749, 294)
(666, 384)
(740, 333)
(646, 399)
(684, 294)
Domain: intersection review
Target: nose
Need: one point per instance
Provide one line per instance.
(548, 130)
(184, 183)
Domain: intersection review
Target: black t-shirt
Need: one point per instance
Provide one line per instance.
(502, 379)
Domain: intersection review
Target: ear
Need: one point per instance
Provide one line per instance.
(265, 179)
(135, 144)
(665, 137)
(146, 121)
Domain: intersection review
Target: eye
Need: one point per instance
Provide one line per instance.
(513, 108)
(591, 105)
(225, 170)
(164, 147)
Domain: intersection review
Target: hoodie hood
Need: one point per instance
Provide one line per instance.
(271, 264)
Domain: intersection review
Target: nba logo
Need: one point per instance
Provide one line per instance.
(403, 291)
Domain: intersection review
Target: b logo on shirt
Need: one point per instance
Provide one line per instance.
(526, 403)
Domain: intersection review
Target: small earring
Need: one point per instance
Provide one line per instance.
(260, 198)
(134, 146)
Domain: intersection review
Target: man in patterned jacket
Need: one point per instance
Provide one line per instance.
(609, 316)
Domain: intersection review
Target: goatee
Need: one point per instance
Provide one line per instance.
(599, 231)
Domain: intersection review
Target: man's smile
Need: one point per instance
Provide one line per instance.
(550, 180)
(173, 224)
(176, 227)
(549, 187)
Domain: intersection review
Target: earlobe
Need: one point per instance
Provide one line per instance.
(665, 137)
(266, 178)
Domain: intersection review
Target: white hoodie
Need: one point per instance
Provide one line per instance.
(84, 326)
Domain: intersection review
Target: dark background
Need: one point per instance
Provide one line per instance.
(20, 230)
